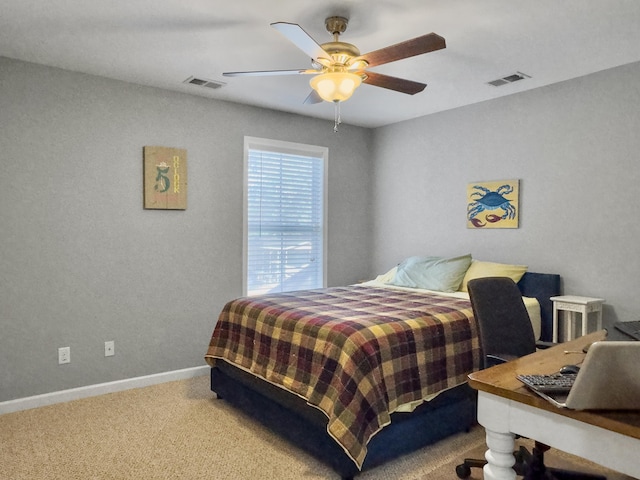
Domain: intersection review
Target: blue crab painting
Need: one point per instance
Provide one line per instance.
(484, 199)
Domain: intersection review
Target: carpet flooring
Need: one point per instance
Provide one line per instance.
(178, 430)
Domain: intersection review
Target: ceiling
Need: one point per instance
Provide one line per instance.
(164, 43)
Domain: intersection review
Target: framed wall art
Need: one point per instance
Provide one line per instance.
(165, 178)
(493, 204)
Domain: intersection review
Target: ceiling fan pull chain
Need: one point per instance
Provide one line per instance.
(338, 121)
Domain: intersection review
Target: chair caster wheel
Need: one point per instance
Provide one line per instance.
(463, 471)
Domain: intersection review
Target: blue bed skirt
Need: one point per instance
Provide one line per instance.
(306, 427)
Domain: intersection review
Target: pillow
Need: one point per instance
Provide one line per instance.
(432, 273)
(489, 269)
(387, 277)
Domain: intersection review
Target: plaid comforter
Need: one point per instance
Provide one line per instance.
(357, 353)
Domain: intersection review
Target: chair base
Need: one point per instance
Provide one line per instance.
(530, 466)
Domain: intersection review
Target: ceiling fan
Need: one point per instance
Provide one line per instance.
(339, 68)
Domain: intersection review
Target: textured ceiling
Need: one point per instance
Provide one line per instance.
(163, 43)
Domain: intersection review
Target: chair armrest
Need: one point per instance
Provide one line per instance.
(544, 345)
(491, 360)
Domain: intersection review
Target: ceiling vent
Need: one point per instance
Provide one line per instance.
(509, 79)
(203, 82)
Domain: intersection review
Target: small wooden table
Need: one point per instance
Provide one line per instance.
(575, 304)
(506, 408)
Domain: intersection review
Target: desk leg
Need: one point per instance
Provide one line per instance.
(493, 415)
(500, 456)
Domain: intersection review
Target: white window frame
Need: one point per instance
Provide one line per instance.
(255, 143)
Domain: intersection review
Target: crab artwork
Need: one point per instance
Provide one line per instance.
(483, 199)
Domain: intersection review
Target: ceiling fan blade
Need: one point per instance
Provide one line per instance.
(262, 73)
(409, 48)
(393, 83)
(312, 98)
(301, 39)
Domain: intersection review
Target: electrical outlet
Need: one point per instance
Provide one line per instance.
(109, 348)
(64, 355)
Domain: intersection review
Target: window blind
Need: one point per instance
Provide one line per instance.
(285, 231)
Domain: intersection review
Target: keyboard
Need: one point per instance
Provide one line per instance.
(630, 328)
(553, 383)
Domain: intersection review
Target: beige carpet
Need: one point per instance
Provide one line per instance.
(177, 430)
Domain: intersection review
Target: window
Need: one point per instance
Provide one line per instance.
(285, 216)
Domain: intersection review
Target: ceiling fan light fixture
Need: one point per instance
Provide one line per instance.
(335, 86)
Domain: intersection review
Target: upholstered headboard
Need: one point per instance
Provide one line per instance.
(542, 286)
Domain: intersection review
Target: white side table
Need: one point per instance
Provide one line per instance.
(574, 304)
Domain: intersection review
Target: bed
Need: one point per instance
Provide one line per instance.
(357, 375)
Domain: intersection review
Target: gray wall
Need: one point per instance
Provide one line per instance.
(574, 146)
(81, 261)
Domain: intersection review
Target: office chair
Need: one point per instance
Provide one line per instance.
(506, 333)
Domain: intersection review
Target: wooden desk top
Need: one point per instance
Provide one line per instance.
(501, 381)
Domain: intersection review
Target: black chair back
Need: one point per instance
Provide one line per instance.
(505, 329)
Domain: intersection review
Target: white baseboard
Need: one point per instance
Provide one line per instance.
(100, 389)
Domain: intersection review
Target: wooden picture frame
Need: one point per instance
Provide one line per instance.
(165, 178)
(493, 204)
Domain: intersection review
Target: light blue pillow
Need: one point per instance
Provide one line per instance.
(432, 273)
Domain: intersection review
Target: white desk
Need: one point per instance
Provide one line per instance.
(575, 304)
(507, 408)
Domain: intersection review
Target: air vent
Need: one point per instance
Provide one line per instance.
(497, 83)
(509, 79)
(203, 82)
